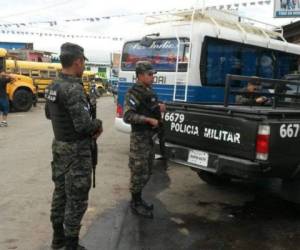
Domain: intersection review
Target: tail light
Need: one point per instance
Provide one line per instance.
(119, 111)
(262, 142)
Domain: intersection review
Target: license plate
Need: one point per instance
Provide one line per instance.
(198, 157)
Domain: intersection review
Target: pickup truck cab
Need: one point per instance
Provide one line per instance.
(225, 141)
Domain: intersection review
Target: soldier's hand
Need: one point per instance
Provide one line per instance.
(261, 99)
(97, 134)
(153, 122)
(162, 107)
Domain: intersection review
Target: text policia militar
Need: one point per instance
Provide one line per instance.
(179, 124)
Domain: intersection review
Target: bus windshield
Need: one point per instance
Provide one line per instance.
(162, 54)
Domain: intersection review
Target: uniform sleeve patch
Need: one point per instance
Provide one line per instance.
(51, 95)
(132, 102)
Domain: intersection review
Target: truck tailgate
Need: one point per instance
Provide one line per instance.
(211, 132)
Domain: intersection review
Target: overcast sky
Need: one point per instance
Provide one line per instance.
(20, 11)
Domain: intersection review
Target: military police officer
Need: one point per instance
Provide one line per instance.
(143, 111)
(68, 109)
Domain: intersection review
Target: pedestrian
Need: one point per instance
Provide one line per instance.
(4, 102)
(74, 129)
(143, 111)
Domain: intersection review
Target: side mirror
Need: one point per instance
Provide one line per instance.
(146, 41)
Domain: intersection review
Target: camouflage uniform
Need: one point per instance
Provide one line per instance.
(68, 108)
(141, 154)
(245, 99)
(142, 111)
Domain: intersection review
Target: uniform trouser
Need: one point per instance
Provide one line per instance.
(141, 158)
(71, 174)
(4, 106)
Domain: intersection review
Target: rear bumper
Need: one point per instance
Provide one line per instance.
(217, 163)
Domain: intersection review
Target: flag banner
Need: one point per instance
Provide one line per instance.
(18, 32)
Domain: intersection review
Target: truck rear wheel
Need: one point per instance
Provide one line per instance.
(213, 179)
(23, 100)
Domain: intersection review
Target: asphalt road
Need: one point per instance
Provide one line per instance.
(189, 214)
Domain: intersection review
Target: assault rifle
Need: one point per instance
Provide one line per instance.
(94, 146)
(160, 131)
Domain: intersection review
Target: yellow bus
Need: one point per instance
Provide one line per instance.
(44, 73)
(21, 90)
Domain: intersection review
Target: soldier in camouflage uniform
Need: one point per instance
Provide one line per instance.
(248, 98)
(68, 109)
(143, 111)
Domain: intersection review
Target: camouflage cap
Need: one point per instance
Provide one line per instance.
(72, 49)
(144, 67)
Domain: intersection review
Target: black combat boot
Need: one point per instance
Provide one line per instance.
(72, 244)
(58, 240)
(147, 205)
(140, 207)
(137, 198)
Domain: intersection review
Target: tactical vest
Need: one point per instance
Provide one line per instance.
(62, 123)
(148, 106)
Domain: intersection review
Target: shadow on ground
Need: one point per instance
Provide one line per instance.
(266, 222)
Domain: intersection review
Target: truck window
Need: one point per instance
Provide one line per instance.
(162, 54)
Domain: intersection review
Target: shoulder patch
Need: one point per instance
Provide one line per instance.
(132, 102)
(51, 93)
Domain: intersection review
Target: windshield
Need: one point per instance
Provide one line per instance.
(162, 54)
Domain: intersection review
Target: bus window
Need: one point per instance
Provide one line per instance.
(286, 64)
(52, 74)
(222, 58)
(35, 73)
(249, 61)
(24, 72)
(162, 54)
(44, 74)
(266, 64)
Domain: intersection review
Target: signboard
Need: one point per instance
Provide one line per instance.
(286, 8)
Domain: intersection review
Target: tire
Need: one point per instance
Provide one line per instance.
(213, 179)
(23, 100)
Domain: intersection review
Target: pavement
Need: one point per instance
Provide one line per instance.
(189, 214)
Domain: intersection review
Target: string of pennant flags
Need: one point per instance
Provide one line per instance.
(102, 18)
(15, 28)
(58, 35)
